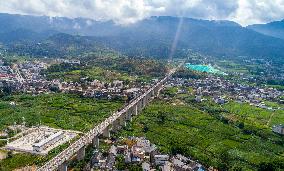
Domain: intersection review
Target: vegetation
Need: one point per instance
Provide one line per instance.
(64, 111)
(121, 165)
(107, 69)
(254, 71)
(201, 131)
(93, 73)
(186, 74)
(17, 161)
(90, 151)
(56, 45)
(261, 118)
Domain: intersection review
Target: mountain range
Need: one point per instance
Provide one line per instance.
(274, 29)
(154, 36)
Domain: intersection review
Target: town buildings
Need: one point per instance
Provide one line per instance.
(138, 151)
(222, 91)
(28, 77)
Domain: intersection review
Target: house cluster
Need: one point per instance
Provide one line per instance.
(31, 70)
(271, 70)
(222, 90)
(139, 151)
(98, 89)
(104, 161)
(24, 77)
(27, 77)
(7, 75)
(279, 129)
(68, 61)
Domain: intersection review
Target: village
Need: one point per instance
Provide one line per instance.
(27, 78)
(140, 152)
(222, 91)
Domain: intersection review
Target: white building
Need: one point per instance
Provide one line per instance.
(198, 99)
(278, 129)
(146, 166)
(40, 146)
(161, 159)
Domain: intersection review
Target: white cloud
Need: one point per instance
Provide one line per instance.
(258, 11)
(129, 11)
(121, 11)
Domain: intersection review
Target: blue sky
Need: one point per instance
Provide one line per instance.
(244, 12)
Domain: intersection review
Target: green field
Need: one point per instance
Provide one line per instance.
(254, 115)
(17, 161)
(64, 111)
(213, 140)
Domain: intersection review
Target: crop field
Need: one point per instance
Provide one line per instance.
(213, 140)
(64, 111)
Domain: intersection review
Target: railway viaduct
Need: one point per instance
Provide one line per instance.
(114, 122)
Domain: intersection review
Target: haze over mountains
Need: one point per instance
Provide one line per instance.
(275, 29)
(150, 37)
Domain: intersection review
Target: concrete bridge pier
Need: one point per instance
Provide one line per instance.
(122, 121)
(106, 132)
(63, 167)
(158, 88)
(148, 98)
(128, 116)
(139, 106)
(81, 153)
(144, 101)
(96, 142)
(155, 91)
(152, 93)
(135, 110)
(115, 125)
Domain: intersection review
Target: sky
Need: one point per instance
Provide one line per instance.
(244, 12)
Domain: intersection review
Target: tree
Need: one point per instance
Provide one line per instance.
(9, 154)
(241, 125)
(162, 117)
(145, 128)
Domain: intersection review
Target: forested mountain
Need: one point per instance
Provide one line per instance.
(221, 38)
(275, 29)
(150, 37)
(57, 45)
(45, 24)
